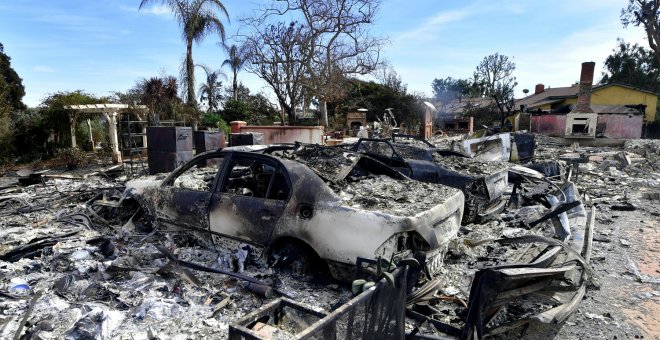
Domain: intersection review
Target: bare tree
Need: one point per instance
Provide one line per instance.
(277, 56)
(495, 75)
(339, 43)
(644, 13)
(388, 77)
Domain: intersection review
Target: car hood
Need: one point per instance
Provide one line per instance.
(138, 185)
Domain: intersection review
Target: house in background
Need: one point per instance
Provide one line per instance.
(454, 118)
(621, 110)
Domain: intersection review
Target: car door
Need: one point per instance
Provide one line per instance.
(250, 198)
(184, 198)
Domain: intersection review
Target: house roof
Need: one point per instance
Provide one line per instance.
(557, 94)
(615, 109)
(548, 95)
(626, 86)
(543, 102)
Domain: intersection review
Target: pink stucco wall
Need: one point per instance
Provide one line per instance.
(551, 125)
(621, 126)
(288, 134)
(615, 125)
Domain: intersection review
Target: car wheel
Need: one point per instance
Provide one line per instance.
(293, 257)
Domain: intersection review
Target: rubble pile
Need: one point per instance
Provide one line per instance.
(329, 163)
(77, 264)
(383, 193)
(66, 275)
(469, 165)
(613, 180)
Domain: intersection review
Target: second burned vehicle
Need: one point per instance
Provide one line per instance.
(482, 183)
(348, 206)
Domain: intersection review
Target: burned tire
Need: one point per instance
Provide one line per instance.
(296, 257)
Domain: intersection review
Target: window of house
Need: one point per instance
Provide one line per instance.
(256, 178)
(200, 175)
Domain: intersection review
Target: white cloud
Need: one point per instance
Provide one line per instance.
(158, 10)
(128, 8)
(559, 65)
(71, 21)
(553, 61)
(429, 28)
(43, 69)
(515, 7)
(432, 24)
(163, 10)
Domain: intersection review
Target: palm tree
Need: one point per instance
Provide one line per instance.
(160, 95)
(210, 90)
(152, 92)
(237, 56)
(197, 19)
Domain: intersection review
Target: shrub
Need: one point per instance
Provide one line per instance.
(211, 119)
(223, 126)
(214, 120)
(71, 157)
(82, 133)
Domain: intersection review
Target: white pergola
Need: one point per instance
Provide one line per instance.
(110, 112)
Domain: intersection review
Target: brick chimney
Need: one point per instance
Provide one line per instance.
(539, 88)
(584, 92)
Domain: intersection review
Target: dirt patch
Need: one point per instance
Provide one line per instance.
(647, 255)
(646, 316)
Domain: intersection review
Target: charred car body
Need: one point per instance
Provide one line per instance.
(482, 183)
(287, 207)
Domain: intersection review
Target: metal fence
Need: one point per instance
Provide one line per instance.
(377, 313)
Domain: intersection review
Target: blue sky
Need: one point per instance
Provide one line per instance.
(105, 46)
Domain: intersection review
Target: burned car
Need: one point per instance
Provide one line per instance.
(482, 183)
(292, 211)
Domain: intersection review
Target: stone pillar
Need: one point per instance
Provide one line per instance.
(114, 141)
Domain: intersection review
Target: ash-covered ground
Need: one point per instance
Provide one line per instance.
(63, 276)
(623, 183)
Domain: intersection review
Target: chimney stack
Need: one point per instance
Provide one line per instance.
(584, 92)
(539, 88)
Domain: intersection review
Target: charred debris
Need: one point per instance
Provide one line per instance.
(83, 257)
